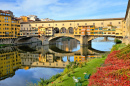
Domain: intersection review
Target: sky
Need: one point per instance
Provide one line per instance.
(67, 9)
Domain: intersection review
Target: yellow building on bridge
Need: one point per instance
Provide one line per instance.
(111, 26)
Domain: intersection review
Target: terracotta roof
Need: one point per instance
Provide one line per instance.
(128, 6)
(4, 12)
(73, 20)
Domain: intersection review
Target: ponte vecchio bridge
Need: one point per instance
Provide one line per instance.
(82, 30)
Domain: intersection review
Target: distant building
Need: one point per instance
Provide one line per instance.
(33, 18)
(24, 19)
(47, 19)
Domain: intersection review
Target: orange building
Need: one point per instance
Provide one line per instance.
(24, 18)
(41, 30)
(79, 58)
(83, 30)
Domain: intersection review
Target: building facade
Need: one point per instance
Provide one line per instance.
(84, 27)
(127, 18)
(9, 27)
(24, 19)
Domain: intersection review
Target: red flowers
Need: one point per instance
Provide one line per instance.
(116, 70)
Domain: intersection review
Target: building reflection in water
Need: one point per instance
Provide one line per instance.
(13, 58)
(10, 61)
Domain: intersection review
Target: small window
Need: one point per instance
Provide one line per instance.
(56, 24)
(42, 24)
(63, 24)
(85, 23)
(111, 23)
(102, 23)
(119, 22)
(70, 23)
(77, 23)
(93, 23)
(36, 25)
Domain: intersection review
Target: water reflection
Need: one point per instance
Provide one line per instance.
(32, 62)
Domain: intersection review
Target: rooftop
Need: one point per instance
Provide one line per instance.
(73, 20)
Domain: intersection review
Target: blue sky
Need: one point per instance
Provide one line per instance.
(67, 9)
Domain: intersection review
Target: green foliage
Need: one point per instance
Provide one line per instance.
(68, 74)
(117, 41)
(117, 47)
(74, 66)
(44, 82)
(104, 56)
(66, 71)
(79, 72)
(60, 78)
(68, 66)
(81, 65)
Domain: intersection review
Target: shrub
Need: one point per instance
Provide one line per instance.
(68, 66)
(74, 66)
(68, 74)
(66, 71)
(44, 82)
(116, 70)
(117, 41)
(80, 65)
(60, 79)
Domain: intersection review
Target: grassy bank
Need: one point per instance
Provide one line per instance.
(118, 47)
(89, 68)
(4, 45)
(115, 70)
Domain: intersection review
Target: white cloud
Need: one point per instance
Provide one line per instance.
(72, 9)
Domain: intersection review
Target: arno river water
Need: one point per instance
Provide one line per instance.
(28, 63)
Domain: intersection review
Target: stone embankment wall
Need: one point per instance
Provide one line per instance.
(17, 41)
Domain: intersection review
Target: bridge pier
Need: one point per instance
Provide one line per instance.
(84, 41)
(105, 38)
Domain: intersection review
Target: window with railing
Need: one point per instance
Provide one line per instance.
(100, 28)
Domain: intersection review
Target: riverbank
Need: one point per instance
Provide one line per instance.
(66, 79)
(90, 68)
(4, 45)
(116, 69)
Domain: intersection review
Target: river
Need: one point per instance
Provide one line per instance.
(28, 63)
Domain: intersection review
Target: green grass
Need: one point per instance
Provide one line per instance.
(90, 68)
(118, 47)
(4, 44)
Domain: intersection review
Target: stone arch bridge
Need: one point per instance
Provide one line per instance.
(84, 40)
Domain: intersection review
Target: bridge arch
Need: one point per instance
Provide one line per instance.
(71, 30)
(60, 35)
(56, 30)
(63, 30)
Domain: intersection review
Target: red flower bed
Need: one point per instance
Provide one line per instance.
(116, 70)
